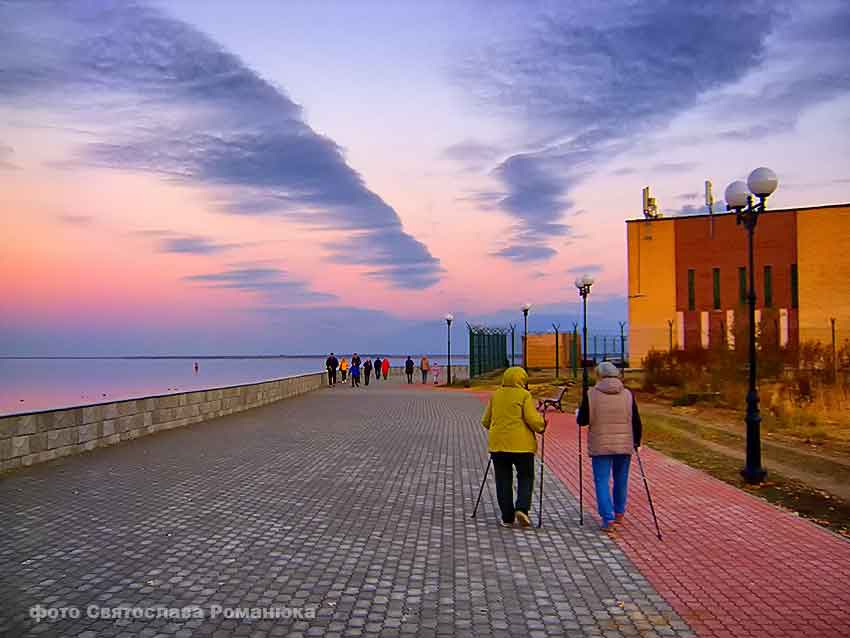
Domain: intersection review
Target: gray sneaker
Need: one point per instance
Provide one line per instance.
(504, 524)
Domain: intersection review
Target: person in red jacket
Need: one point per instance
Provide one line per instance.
(385, 368)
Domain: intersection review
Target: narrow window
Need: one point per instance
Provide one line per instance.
(691, 293)
(795, 300)
(716, 273)
(742, 285)
(768, 287)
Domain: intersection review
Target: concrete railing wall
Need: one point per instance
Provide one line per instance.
(26, 439)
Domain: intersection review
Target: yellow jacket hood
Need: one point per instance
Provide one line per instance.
(515, 377)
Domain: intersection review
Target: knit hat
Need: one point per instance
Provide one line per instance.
(607, 369)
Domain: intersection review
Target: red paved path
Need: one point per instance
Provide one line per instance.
(730, 564)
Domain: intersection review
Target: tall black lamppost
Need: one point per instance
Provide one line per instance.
(583, 284)
(739, 197)
(525, 308)
(449, 318)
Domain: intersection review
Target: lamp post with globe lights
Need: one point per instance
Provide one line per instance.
(525, 308)
(762, 182)
(583, 284)
(449, 318)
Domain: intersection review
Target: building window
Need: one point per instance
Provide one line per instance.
(716, 274)
(795, 300)
(692, 303)
(768, 287)
(742, 285)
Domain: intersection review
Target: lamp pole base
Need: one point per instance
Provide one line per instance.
(754, 476)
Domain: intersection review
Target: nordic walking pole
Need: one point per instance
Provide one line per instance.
(580, 479)
(542, 464)
(483, 483)
(648, 495)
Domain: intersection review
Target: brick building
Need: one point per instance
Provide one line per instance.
(688, 279)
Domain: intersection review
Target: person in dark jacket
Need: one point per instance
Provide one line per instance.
(611, 414)
(367, 370)
(408, 369)
(377, 368)
(331, 363)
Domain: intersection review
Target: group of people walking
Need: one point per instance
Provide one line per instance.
(512, 419)
(356, 368)
(379, 367)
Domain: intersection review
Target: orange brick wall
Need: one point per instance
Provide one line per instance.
(541, 350)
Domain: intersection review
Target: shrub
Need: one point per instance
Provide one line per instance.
(688, 398)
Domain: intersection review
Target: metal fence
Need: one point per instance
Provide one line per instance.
(488, 349)
(608, 347)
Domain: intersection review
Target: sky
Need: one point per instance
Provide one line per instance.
(213, 177)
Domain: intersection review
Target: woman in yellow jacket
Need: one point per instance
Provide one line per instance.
(512, 420)
(343, 368)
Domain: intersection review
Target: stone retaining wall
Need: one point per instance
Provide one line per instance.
(36, 437)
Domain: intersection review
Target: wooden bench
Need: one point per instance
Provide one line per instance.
(556, 403)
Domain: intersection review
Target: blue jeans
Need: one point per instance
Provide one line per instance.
(603, 467)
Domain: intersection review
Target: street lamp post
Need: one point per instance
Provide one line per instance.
(525, 308)
(583, 284)
(513, 343)
(739, 197)
(449, 318)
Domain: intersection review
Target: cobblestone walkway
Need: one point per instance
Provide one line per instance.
(354, 503)
(730, 563)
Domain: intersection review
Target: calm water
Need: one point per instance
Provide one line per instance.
(41, 384)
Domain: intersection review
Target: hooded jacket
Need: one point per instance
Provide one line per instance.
(611, 413)
(511, 416)
(385, 366)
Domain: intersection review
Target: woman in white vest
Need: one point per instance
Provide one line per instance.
(610, 411)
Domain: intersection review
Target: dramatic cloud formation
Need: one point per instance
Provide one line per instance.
(271, 283)
(191, 111)
(592, 78)
(473, 155)
(193, 246)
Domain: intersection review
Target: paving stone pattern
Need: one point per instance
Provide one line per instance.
(355, 502)
(730, 564)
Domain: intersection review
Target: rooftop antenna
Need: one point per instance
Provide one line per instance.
(650, 207)
(709, 203)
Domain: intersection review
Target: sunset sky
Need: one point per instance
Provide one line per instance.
(195, 177)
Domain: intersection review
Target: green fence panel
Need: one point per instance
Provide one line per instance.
(488, 349)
